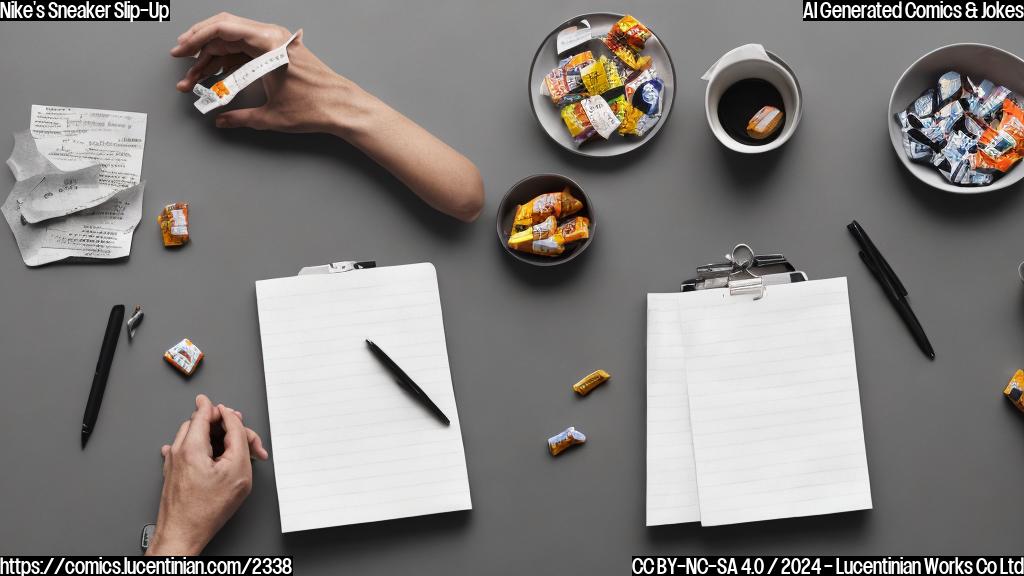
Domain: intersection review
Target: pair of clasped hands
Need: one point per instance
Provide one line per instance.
(202, 488)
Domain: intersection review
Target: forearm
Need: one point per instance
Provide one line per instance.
(442, 177)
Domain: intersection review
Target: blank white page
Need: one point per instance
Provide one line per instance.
(671, 477)
(349, 444)
(774, 403)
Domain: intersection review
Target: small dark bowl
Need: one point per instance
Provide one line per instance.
(524, 191)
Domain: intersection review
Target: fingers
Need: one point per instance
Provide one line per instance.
(236, 443)
(254, 118)
(209, 64)
(255, 38)
(179, 438)
(256, 448)
(198, 436)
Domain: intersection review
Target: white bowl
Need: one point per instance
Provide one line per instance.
(979, 61)
(549, 116)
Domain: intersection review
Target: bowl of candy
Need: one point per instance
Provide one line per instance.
(602, 84)
(545, 220)
(956, 118)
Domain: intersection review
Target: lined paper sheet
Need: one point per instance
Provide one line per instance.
(671, 476)
(774, 403)
(350, 445)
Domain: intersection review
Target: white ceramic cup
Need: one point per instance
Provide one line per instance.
(744, 62)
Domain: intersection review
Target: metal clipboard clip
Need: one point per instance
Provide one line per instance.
(745, 272)
(337, 267)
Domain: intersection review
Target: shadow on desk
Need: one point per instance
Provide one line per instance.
(747, 172)
(358, 536)
(956, 206)
(846, 526)
(329, 147)
(543, 278)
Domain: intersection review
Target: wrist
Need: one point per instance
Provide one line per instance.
(168, 543)
(351, 111)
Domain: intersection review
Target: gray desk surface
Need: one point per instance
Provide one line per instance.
(945, 450)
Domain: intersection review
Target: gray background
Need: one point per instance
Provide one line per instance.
(944, 448)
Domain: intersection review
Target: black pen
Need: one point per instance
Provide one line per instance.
(891, 285)
(99, 379)
(404, 381)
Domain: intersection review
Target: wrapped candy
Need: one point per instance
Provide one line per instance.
(173, 220)
(644, 95)
(564, 84)
(564, 439)
(1001, 148)
(626, 39)
(184, 356)
(950, 86)
(630, 32)
(590, 381)
(764, 123)
(536, 232)
(553, 245)
(578, 123)
(601, 76)
(555, 204)
(575, 229)
(601, 116)
(627, 55)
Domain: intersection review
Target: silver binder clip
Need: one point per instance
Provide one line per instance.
(745, 272)
(336, 267)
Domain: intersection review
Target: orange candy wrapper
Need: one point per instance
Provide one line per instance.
(557, 204)
(575, 229)
(1001, 148)
(173, 220)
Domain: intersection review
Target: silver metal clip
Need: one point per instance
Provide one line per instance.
(745, 272)
(336, 267)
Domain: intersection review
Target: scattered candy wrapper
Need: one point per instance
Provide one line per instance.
(972, 133)
(590, 381)
(184, 356)
(173, 220)
(564, 439)
(1014, 390)
(132, 324)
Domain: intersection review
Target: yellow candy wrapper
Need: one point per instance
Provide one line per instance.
(575, 229)
(551, 246)
(1014, 390)
(591, 381)
(537, 232)
(601, 76)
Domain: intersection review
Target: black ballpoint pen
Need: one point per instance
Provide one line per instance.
(406, 382)
(99, 379)
(891, 285)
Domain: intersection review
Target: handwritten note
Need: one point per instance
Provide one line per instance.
(350, 445)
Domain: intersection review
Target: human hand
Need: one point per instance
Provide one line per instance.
(304, 96)
(201, 492)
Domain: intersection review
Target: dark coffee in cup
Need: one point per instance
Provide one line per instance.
(741, 101)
